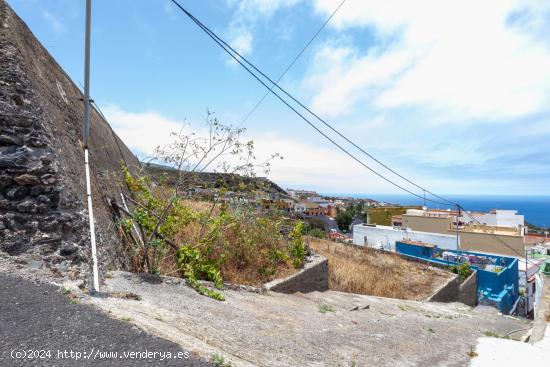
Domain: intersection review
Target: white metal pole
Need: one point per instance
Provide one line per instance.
(91, 218)
(86, 127)
(86, 130)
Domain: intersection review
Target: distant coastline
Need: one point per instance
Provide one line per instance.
(536, 209)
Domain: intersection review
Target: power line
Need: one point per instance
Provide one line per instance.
(238, 59)
(229, 50)
(233, 52)
(292, 63)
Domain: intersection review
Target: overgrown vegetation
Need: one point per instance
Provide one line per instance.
(463, 270)
(312, 231)
(167, 232)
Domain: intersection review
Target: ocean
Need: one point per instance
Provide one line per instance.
(536, 209)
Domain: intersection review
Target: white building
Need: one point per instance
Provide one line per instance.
(500, 218)
(384, 237)
(300, 208)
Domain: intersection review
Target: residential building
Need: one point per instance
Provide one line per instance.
(499, 218)
(497, 276)
(385, 237)
(309, 208)
(300, 194)
(382, 215)
(473, 237)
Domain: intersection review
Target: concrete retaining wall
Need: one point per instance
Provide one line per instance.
(313, 277)
(447, 293)
(467, 291)
(454, 291)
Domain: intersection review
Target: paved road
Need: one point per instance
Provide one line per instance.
(39, 317)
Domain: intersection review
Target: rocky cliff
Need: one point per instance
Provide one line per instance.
(43, 217)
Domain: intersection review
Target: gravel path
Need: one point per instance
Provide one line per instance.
(41, 318)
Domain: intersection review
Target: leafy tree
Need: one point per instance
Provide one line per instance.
(344, 218)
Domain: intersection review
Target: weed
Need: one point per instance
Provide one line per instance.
(64, 290)
(431, 330)
(403, 308)
(472, 353)
(219, 360)
(491, 334)
(495, 335)
(127, 319)
(158, 318)
(108, 275)
(323, 308)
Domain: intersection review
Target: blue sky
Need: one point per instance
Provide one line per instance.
(451, 94)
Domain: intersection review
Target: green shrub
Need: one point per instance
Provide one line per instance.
(463, 270)
(297, 247)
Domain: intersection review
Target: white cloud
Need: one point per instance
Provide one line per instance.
(142, 132)
(247, 13)
(458, 60)
(241, 41)
(303, 164)
(320, 166)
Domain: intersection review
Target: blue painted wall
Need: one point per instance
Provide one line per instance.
(500, 289)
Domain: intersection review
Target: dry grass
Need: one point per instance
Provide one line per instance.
(367, 271)
(242, 261)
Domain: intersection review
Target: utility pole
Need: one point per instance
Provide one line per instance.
(86, 134)
(457, 232)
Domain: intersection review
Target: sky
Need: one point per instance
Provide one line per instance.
(451, 94)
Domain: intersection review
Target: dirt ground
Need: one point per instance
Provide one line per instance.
(315, 329)
(364, 270)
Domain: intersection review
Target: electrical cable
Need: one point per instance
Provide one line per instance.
(237, 59)
(226, 46)
(228, 49)
(292, 63)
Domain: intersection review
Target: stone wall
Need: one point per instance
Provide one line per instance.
(313, 277)
(42, 183)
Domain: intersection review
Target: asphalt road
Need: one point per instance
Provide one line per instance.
(39, 326)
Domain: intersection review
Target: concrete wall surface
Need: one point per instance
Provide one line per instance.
(385, 237)
(467, 291)
(447, 293)
(313, 277)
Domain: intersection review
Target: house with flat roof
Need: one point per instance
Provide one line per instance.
(473, 237)
(385, 237)
(497, 276)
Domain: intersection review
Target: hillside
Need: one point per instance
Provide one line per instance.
(233, 182)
